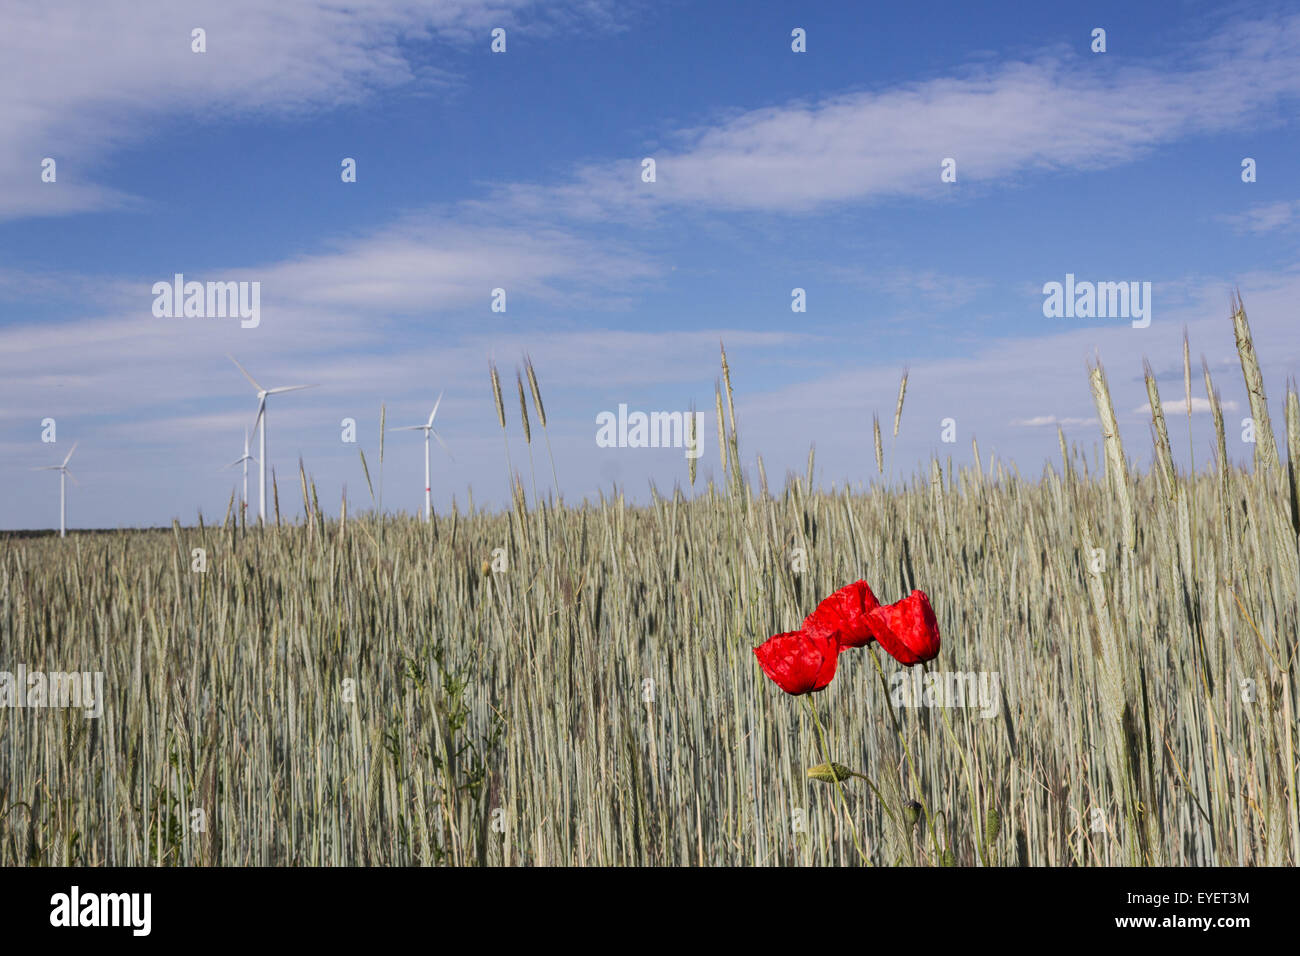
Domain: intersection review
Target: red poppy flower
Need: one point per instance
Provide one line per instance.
(907, 629)
(846, 611)
(799, 661)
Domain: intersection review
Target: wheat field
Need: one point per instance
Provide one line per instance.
(381, 691)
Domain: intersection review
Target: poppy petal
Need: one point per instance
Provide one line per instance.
(798, 661)
(907, 629)
(846, 611)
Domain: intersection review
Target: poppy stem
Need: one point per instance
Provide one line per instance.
(898, 729)
(839, 787)
(970, 785)
(884, 804)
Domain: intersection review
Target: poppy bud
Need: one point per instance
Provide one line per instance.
(947, 858)
(912, 813)
(992, 826)
(829, 772)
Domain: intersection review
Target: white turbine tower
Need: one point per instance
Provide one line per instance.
(64, 475)
(245, 458)
(428, 430)
(262, 394)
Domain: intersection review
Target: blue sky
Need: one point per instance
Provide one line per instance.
(775, 170)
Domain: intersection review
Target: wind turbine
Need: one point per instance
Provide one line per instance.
(245, 458)
(64, 474)
(428, 430)
(262, 394)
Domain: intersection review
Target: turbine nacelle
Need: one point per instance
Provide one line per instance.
(63, 467)
(428, 428)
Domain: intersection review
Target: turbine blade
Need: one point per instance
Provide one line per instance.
(261, 410)
(48, 468)
(70, 451)
(407, 428)
(288, 388)
(443, 444)
(73, 477)
(435, 409)
(245, 371)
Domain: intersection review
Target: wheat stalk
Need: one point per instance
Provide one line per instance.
(501, 419)
(1164, 454)
(693, 444)
(1266, 457)
(528, 434)
(722, 433)
(541, 415)
(880, 458)
(1116, 465)
(898, 409)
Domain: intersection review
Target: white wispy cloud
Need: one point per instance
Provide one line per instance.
(431, 263)
(1200, 406)
(1057, 112)
(927, 286)
(1266, 217)
(1040, 420)
(78, 81)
